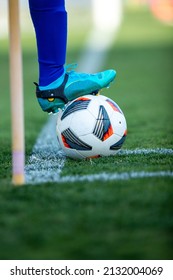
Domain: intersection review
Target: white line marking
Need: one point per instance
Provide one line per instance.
(47, 160)
(115, 176)
(103, 177)
(159, 151)
(107, 17)
(95, 52)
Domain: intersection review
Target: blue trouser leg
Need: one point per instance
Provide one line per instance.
(50, 22)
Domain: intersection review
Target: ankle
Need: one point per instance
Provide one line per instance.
(54, 84)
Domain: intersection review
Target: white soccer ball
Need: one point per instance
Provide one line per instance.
(91, 126)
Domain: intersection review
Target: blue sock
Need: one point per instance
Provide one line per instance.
(50, 22)
(54, 84)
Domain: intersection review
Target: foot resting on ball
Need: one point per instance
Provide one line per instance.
(70, 86)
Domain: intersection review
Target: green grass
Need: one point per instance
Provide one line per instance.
(89, 221)
(130, 219)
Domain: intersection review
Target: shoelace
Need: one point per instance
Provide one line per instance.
(72, 66)
(70, 69)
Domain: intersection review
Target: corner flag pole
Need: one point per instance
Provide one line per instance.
(16, 88)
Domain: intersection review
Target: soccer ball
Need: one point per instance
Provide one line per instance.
(90, 127)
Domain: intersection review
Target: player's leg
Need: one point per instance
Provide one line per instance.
(50, 23)
(56, 85)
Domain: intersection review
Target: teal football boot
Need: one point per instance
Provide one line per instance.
(73, 86)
